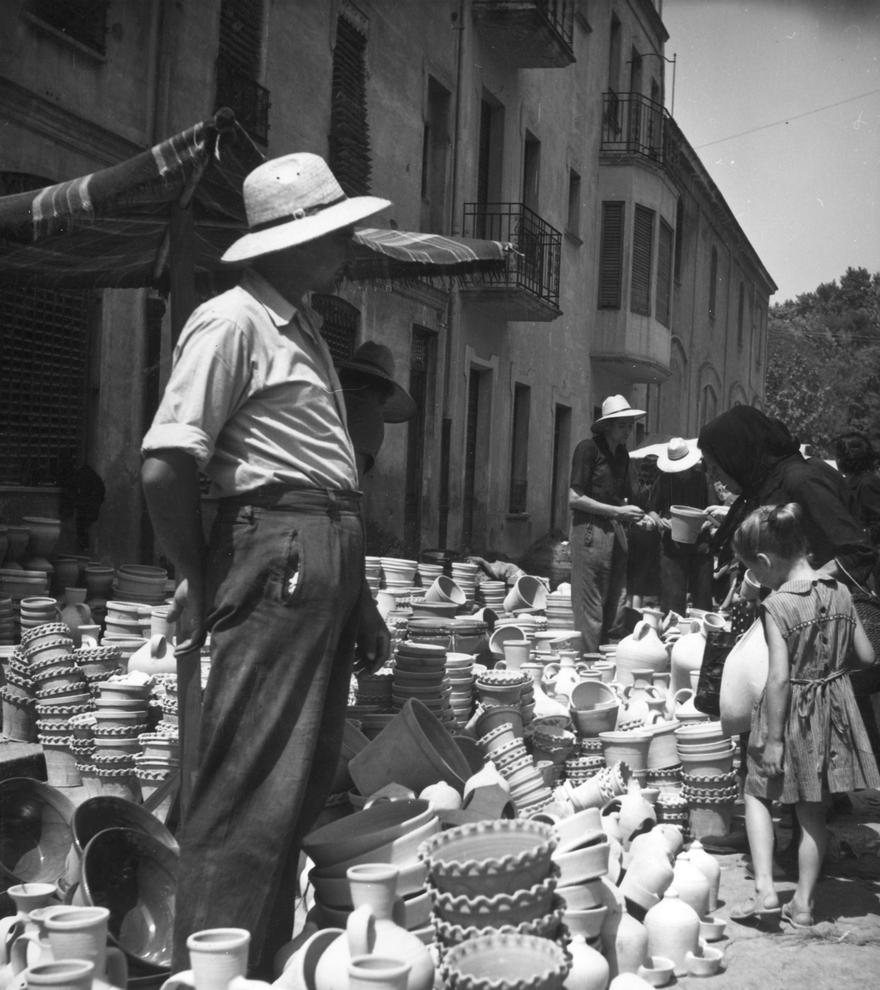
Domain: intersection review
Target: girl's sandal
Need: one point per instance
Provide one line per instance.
(795, 918)
(754, 909)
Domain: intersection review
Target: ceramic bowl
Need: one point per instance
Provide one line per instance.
(334, 890)
(402, 851)
(582, 864)
(547, 926)
(581, 896)
(712, 929)
(699, 732)
(707, 963)
(499, 909)
(135, 877)
(372, 828)
(489, 857)
(36, 831)
(585, 921)
(588, 833)
(505, 961)
(657, 971)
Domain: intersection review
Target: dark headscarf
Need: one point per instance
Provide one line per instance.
(746, 444)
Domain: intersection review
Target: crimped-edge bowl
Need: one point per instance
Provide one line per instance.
(547, 926)
(497, 856)
(482, 911)
(505, 962)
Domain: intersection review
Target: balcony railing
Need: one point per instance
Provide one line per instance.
(633, 125)
(534, 268)
(534, 33)
(249, 100)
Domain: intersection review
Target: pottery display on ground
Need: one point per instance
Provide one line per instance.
(673, 929)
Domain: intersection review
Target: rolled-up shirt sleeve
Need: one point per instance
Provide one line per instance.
(209, 380)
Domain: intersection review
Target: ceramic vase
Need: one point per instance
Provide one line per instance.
(562, 677)
(686, 655)
(641, 650)
(673, 929)
(589, 968)
(708, 865)
(75, 613)
(626, 944)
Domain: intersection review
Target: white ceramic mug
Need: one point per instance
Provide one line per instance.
(81, 933)
(218, 958)
(368, 972)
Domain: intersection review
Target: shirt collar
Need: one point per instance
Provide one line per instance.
(803, 586)
(280, 310)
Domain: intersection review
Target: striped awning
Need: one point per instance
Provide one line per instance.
(112, 228)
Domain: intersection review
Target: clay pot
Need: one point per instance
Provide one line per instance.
(673, 929)
(692, 884)
(685, 523)
(589, 968)
(505, 962)
(81, 933)
(527, 592)
(641, 650)
(708, 865)
(646, 879)
(686, 656)
(629, 747)
(625, 944)
(663, 748)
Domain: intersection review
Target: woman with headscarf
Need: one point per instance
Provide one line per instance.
(758, 457)
(857, 461)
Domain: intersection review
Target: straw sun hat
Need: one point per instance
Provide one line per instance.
(292, 200)
(678, 456)
(616, 407)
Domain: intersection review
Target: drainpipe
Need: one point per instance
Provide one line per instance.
(453, 305)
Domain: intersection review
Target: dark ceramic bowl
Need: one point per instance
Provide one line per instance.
(108, 811)
(35, 831)
(134, 876)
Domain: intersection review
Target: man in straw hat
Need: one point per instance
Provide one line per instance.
(253, 402)
(598, 497)
(685, 568)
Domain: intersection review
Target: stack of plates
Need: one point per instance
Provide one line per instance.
(373, 573)
(398, 573)
(492, 593)
(16, 583)
(465, 576)
(140, 583)
(428, 573)
(420, 674)
(460, 673)
(559, 611)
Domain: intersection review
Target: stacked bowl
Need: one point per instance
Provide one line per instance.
(492, 877)
(399, 574)
(8, 623)
(121, 712)
(492, 594)
(158, 759)
(18, 700)
(420, 674)
(140, 583)
(428, 572)
(127, 620)
(373, 574)
(507, 750)
(558, 610)
(708, 779)
(460, 674)
(465, 576)
(388, 832)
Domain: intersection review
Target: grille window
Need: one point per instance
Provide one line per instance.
(340, 325)
(349, 134)
(643, 246)
(611, 256)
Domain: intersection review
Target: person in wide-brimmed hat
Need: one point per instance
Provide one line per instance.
(600, 497)
(254, 403)
(685, 568)
(372, 399)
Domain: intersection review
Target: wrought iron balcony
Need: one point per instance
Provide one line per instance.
(249, 100)
(532, 33)
(633, 126)
(529, 289)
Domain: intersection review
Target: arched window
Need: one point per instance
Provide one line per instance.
(708, 404)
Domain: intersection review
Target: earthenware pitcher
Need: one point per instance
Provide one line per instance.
(218, 960)
(641, 650)
(81, 933)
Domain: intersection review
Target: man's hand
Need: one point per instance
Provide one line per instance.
(188, 609)
(629, 513)
(373, 643)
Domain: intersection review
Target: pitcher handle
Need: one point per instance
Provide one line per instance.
(18, 951)
(361, 931)
(551, 668)
(117, 967)
(685, 691)
(8, 934)
(183, 979)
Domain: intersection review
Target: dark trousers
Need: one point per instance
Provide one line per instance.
(680, 575)
(286, 577)
(598, 582)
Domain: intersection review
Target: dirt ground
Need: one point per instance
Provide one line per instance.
(842, 951)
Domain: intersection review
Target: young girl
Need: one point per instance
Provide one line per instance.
(807, 736)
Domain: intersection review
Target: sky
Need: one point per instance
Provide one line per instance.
(781, 100)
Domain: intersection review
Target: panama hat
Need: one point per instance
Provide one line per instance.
(678, 456)
(292, 200)
(616, 407)
(376, 361)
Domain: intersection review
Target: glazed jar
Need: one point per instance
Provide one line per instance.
(673, 929)
(371, 929)
(708, 865)
(641, 650)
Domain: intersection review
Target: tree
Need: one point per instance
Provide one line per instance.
(823, 367)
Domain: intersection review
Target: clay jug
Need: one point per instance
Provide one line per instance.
(156, 656)
(687, 655)
(377, 973)
(589, 968)
(673, 929)
(636, 815)
(562, 677)
(627, 944)
(642, 700)
(692, 885)
(81, 933)
(26, 897)
(710, 868)
(685, 711)
(544, 704)
(218, 960)
(75, 612)
(371, 929)
(652, 844)
(641, 650)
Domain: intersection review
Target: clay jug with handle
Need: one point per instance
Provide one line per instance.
(81, 933)
(642, 649)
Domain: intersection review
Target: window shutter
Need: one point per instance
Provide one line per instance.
(340, 325)
(611, 255)
(349, 156)
(643, 243)
(664, 273)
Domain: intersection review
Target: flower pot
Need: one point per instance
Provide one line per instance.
(685, 523)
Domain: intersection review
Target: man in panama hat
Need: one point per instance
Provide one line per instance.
(254, 403)
(599, 498)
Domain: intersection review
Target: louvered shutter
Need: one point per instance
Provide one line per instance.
(643, 242)
(349, 156)
(611, 255)
(664, 273)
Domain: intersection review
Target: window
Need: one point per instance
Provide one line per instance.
(84, 21)
(713, 282)
(239, 60)
(519, 452)
(709, 402)
(611, 255)
(573, 223)
(614, 42)
(679, 237)
(643, 248)
(664, 274)
(349, 156)
(340, 324)
(436, 141)
(740, 315)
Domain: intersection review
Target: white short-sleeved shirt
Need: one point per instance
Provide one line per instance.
(253, 396)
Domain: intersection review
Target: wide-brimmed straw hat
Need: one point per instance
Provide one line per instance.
(292, 200)
(376, 361)
(616, 407)
(678, 456)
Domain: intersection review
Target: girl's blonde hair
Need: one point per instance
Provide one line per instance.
(772, 529)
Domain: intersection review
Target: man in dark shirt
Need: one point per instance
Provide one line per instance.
(598, 498)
